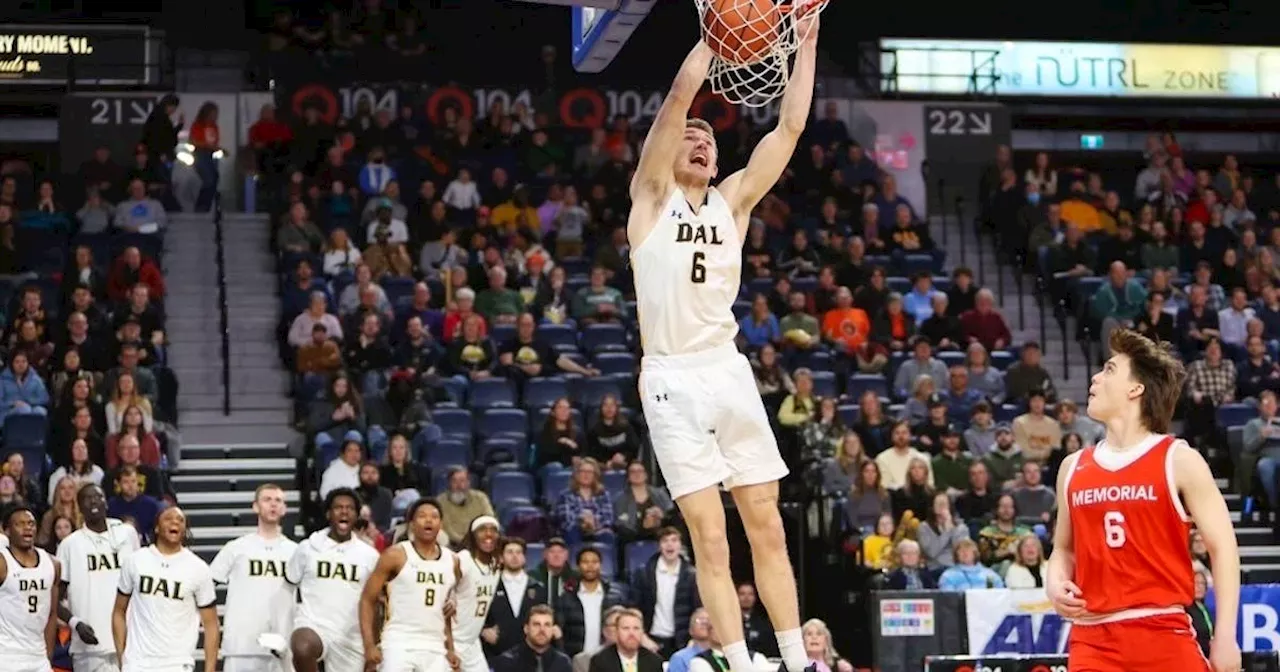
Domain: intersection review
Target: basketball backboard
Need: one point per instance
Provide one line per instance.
(600, 27)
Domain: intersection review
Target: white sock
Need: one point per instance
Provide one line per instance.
(791, 646)
(738, 657)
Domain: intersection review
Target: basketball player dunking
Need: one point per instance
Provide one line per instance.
(1121, 564)
(708, 424)
(417, 578)
(28, 592)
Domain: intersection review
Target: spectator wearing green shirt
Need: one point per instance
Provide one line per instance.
(951, 464)
(598, 302)
(1118, 302)
(499, 304)
(799, 329)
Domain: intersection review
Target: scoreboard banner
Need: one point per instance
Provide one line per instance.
(580, 108)
(996, 664)
(1006, 621)
(53, 55)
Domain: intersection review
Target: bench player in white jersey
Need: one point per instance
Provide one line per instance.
(708, 424)
(165, 596)
(330, 569)
(416, 577)
(90, 559)
(28, 592)
(480, 573)
(259, 599)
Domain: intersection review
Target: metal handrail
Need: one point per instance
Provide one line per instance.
(223, 319)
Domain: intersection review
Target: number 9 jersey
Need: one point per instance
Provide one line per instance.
(1129, 530)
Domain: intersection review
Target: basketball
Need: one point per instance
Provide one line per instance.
(741, 32)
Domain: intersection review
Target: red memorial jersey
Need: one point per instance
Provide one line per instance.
(1129, 528)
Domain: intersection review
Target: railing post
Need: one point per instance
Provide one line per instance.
(1066, 349)
(1017, 280)
(942, 204)
(1042, 294)
(223, 321)
(964, 252)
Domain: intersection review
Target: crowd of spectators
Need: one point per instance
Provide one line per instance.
(85, 394)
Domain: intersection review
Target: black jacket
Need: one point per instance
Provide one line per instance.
(522, 658)
(644, 594)
(758, 632)
(607, 660)
(511, 626)
(570, 617)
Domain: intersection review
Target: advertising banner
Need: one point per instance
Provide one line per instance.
(1081, 69)
(94, 55)
(996, 664)
(582, 108)
(1259, 619)
(1003, 621)
(909, 625)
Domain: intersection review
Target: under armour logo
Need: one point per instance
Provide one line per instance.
(678, 215)
(659, 397)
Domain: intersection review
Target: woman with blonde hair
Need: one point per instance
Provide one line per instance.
(124, 396)
(340, 256)
(1027, 569)
(820, 650)
(840, 473)
(916, 410)
(584, 511)
(65, 505)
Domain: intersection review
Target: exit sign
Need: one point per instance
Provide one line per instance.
(1091, 141)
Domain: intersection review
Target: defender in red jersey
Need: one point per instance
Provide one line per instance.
(1121, 565)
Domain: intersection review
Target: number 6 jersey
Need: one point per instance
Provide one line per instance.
(1129, 530)
(415, 602)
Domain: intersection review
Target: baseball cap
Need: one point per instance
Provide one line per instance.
(936, 400)
(557, 541)
(1003, 427)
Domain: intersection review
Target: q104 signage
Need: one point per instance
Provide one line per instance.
(579, 108)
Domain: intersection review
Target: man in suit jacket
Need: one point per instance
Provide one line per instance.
(535, 652)
(581, 608)
(516, 594)
(666, 593)
(626, 655)
(582, 661)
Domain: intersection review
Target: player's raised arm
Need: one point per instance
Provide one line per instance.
(745, 188)
(1059, 581)
(654, 171)
(1200, 494)
(389, 565)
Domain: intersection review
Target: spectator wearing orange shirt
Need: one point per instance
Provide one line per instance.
(844, 326)
(205, 139)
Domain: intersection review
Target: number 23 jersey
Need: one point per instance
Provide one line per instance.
(1129, 528)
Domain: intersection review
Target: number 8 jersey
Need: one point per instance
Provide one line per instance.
(415, 602)
(1129, 529)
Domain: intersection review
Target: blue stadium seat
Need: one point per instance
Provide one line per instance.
(557, 336)
(447, 453)
(454, 422)
(1002, 359)
(502, 449)
(502, 421)
(501, 333)
(397, 288)
(1229, 415)
(554, 482)
(492, 392)
(23, 432)
(614, 481)
(759, 286)
(1007, 412)
(543, 392)
(636, 555)
(590, 392)
(532, 552)
(950, 358)
(741, 309)
(849, 414)
(508, 485)
(806, 284)
(874, 260)
(859, 383)
(310, 388)
(917, 263)
(824, 384)
(575, 266)
(604, 337)
(814, 360)
(898, 284)
(615, 363)
(508, 514)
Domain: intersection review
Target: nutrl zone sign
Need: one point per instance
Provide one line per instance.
(75, 54)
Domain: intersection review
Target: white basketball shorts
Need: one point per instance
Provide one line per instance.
(252, 664)
(707, 421)
(26, 664)
(94, 662)
(395, 660)
(171, 667)
(472, 658)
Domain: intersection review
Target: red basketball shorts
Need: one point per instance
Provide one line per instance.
(1162, 643)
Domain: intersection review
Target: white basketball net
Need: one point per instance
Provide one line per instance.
(765, 44)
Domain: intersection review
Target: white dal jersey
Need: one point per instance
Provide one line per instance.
(259, 599)
(91, 564)
(687, 274)
(166, 593)
(475, 595)
(26, 596)
(415, 602)
(330, 577)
